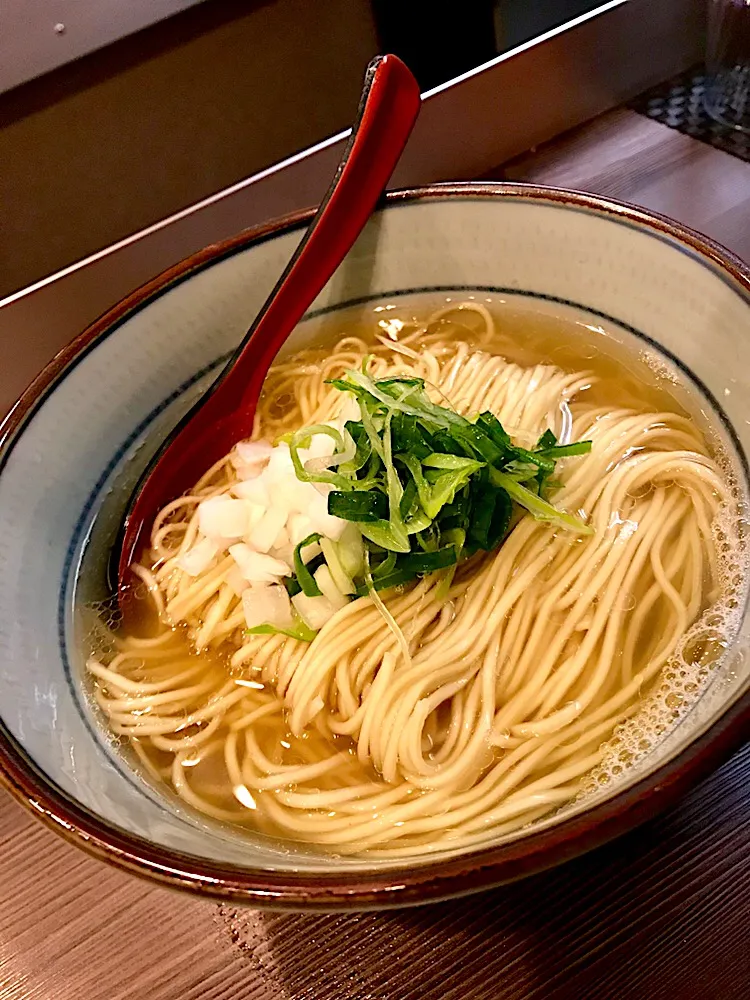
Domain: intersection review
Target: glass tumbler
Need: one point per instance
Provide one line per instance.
(727, 94)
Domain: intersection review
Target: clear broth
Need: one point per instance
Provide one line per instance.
(630, 373)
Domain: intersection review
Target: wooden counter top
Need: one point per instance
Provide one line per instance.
(660, 914)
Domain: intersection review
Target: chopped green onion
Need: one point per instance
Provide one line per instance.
(538, 459)
(567, 450)
(424, 491)
(356, 431)
(350, 549)
(522, 472)
(426, 562)
(489, 423)
(304, 576)
(301, 439)
(446, 487)
(386, 566)
(371, 429)
(423, 486)
(358, 505)
(382, 534)
(434, 496)
(535, 505)
(457, 538)
(448, 445)
(299, 631)
(396, 579)
(547, 440)
(341, 579)
(409, 437)
(409, 500)
(401, 381)
(491, 515)
(395, 489)
(417, 522)
(452, 462)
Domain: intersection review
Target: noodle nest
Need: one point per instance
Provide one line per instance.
(482, 712)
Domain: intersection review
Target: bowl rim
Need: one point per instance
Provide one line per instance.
(398, 886)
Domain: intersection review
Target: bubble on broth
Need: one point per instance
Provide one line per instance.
(689, 672)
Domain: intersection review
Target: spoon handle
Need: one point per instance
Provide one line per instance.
(224, 415)
(387, 111)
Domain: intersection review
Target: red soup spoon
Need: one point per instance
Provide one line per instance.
(224, 415)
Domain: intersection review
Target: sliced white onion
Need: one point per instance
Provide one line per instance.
(254, 490)
(321, 520)
(280, 464)
(267, 606)
(323, 489)
(296, 495)
(324, 579)
(255, 514)
(257, 567)
(321, 446)
(264, 534)
(236, 581)
(282, 539)
(285, 553)
(349, 410)
(299, 526)
(330, 461)
(246, 473)
(314, 611)
(223, 518)
(321, 464)
(253, 452)
(199, 557)
(250, 458)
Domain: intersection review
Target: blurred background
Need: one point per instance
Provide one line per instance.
(116, 113)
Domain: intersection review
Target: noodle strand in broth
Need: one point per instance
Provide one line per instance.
(496, 700)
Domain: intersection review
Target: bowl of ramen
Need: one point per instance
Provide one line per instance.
(471, 600)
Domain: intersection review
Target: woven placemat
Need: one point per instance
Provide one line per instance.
(678, 103)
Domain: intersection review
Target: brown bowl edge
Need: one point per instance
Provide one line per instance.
(394, 887)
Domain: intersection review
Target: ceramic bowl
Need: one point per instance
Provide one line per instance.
(88, 424)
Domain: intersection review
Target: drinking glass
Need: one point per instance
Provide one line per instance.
(727, 94)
